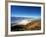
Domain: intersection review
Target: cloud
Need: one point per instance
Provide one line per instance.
(24, 22)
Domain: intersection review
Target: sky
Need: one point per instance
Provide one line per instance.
(25, 11)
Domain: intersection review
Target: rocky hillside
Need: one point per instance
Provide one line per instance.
(34, 25)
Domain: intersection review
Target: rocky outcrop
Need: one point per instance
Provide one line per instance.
(34, 25)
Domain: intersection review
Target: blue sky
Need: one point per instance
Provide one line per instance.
(21, 11)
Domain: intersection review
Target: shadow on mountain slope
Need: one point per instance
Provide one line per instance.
(34, 25)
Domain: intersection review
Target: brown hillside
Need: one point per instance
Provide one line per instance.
(34, 25)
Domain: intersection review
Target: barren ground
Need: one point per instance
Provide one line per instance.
(34, 25)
